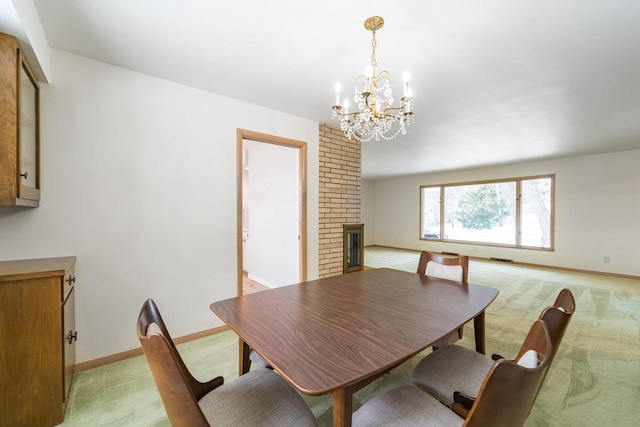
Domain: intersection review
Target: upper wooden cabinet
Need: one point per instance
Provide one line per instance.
(19, 127)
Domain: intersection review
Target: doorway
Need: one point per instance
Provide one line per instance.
(271, 235)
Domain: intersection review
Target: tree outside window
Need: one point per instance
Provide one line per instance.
(515, 212)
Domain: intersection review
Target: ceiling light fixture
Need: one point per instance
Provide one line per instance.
(375, 117)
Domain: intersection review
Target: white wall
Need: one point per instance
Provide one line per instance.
(597, 212)
(368, 199)
(20, 19)
(139, 182)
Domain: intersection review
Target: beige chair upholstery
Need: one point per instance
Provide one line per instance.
(507, 394)
(258, 398)
(254, 357)
(405, 406)
(446, 267)
(454, 369)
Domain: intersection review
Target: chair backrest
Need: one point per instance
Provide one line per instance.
(510, 390)
(446, 267)
(178, 389)
(557, 317)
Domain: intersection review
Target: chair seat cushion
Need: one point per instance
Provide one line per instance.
(405, 406)
(451, 368)
(258, 360)
(450, 338)
(257, 398)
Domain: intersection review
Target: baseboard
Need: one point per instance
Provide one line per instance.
(527, 264)
(575, 270)
(90, 364)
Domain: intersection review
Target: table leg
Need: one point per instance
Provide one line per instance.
(342, 407)
(478, 326)
(244, 363)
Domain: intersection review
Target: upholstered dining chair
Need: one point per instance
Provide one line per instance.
(455, 372)
(506, 396)
(258, 398)
(446, 267)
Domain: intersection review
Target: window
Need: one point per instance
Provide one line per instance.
(516, 212)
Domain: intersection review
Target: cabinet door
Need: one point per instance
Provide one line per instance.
(30, 353)
(69, 342)
(28, 136)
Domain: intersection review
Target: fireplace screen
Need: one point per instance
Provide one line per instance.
(353, 245)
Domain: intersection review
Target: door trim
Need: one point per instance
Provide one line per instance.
(242, 134)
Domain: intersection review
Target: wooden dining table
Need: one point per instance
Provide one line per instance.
(338, 334)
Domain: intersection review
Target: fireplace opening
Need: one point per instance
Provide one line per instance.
(353, 244)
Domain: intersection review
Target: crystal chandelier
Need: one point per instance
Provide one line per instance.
(375, 117)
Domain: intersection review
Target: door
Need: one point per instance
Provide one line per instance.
(272, 211)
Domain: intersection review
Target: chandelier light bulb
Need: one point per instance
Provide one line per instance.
(369, 71)
(338, 89)
(405, 79)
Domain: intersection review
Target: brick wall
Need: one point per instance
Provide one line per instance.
(339, 193)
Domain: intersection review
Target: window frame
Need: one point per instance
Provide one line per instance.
(518, 212)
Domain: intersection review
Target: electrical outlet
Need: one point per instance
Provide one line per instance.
(605, 259)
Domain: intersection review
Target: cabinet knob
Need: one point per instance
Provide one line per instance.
(72, 336)
(70, 279)
(24, 175)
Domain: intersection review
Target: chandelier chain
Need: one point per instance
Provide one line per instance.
(374, 63)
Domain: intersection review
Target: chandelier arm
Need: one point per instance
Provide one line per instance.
(353, 113)
(386, 108)
(383, 76)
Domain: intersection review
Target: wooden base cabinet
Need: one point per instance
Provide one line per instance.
(37, 340)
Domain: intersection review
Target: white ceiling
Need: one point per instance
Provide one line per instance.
(494, 81)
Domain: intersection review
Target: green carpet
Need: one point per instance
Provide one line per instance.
(594, 379)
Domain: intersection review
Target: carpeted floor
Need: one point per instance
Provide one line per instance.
(594, 379)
